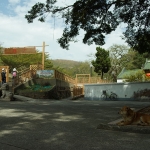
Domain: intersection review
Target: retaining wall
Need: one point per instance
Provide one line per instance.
(124, 91)
(58, 89)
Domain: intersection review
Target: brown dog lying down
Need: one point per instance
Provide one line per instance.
(130, 117)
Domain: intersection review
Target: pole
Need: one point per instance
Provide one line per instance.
(43, 54)
(91, 71)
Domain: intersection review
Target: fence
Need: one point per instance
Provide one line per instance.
(64, 77)
(77, 90)
(26, 74)
(77, 83)
(90, 80)
(86, 78)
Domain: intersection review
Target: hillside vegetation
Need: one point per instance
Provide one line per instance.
(62, 63)
(72, 67)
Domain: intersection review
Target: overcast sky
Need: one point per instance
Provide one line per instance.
(15, 31)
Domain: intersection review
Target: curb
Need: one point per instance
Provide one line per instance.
(77, 97)
(128, 128)
(23, 98)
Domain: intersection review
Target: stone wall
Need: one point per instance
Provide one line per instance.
(58, 89)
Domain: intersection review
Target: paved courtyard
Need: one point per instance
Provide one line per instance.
(66, 125)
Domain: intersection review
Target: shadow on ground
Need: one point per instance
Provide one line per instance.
(60, 124)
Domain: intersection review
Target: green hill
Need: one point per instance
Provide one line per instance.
(62, 63)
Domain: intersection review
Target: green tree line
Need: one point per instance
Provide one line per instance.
(106, 63)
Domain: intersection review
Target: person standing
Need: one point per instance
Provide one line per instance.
(14, 73)
(14, 76)
(3, 76)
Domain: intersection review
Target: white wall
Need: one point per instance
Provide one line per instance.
(121, 80)
(124, 91)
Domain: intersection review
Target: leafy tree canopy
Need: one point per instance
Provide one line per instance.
(124, 57)
(19, 61)
(133, 60)
(102, 63)
(136, 77)
(116, 53)
(99, 18)
(22, 61)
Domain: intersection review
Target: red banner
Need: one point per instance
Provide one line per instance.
(17, 50)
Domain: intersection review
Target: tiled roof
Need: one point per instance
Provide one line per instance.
(125, 72)
(147, 65)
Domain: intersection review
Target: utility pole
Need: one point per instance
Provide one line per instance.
(13, 51)
(43, 55)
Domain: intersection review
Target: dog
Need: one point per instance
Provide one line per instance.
(130, 117)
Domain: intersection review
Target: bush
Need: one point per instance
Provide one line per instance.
(137, 77)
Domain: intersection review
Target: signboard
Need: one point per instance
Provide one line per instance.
(20, 50)
(45, 74)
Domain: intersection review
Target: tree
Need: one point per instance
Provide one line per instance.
(133, 60)
(116, 54)
(47, 62)
(102, 62)
(124, 57)
(136, 77)
(24, 60)
(81, 68)
(1, 62)
(19, 61)
(99, 18)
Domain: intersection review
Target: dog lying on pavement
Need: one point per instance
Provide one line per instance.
(130, 117)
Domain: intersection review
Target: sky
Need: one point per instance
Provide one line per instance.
(15, 31)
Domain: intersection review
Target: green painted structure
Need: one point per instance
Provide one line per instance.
(146, 67)
(124, 73)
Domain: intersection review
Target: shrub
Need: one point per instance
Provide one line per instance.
(137, 77)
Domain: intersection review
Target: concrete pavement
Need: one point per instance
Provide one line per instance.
(67, 125)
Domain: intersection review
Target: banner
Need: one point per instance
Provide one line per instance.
(45, 74)
(18, 50)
